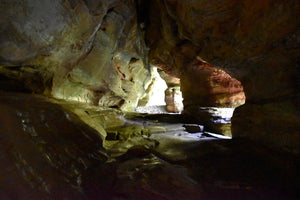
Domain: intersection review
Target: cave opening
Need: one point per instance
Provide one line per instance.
(163, 94)
(210, 98)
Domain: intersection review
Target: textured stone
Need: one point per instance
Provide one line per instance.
(93, 49)
(171, 81)
(98, 118)
(94, 52)
(256, 42)
(154, 94)
(277, 122)
(113, 73)
(205, 85)
(46, 152)
(173, 98)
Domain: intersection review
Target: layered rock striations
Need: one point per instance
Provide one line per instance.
(206, 85)
(256, 42)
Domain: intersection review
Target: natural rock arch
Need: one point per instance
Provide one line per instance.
(95, 53)
(254, 41)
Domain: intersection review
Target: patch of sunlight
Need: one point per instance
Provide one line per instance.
(223, 115)
(157, 95)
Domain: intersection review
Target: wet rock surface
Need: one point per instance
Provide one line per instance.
(47, 152)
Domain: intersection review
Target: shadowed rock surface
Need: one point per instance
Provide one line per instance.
(256, 42)
(47, 152)
(95, 52)
(93, 62)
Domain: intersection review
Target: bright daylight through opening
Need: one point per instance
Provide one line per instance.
(161, 98)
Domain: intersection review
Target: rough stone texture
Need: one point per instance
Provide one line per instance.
(173, 98)
(209, 86)
(171, 81)
(46, 152)
(98, 118)
(277, 123)
(93, 50)
(154, 94)
(256, 42)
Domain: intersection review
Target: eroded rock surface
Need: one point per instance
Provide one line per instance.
(256, 42)
(209, 86)
(88, 51)
(94, 52)
(46, 152)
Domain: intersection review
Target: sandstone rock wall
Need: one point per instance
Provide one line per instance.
(256, 42)
(205, 85)
(47, 152)
(93, 50)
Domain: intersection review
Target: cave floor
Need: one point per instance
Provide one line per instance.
(182, 165)
(209, 169)
(46, 152)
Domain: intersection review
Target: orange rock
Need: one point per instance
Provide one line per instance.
(206, 85)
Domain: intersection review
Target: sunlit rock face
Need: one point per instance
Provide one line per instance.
(90, 51)
(173, 94)
(205, 85)
(256, 42)
(154, 94)
(173, 98)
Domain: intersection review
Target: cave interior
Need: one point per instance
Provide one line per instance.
(149, 99)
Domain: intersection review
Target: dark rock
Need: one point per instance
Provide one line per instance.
(45, 151)
(193, 128)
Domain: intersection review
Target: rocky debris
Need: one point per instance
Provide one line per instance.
(125, 132)
(193, 128)
(216, 120)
